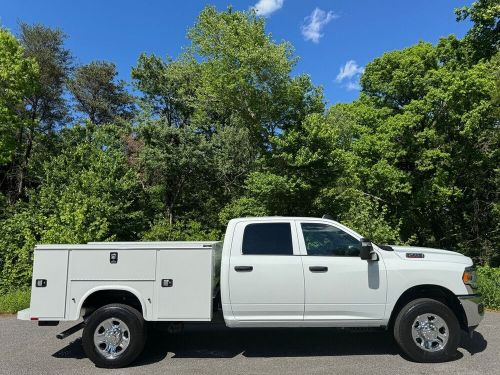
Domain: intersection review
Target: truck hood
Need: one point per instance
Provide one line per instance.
(419, 254)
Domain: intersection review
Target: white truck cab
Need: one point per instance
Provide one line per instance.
(268, 272)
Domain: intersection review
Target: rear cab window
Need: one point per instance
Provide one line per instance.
(267, 239)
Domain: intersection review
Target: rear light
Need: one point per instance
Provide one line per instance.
(469, 277)
(33, 318)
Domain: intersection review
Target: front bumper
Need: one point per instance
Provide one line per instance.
(473, 308)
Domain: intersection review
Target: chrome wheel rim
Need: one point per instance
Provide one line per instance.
(430, 332)
(111, 338)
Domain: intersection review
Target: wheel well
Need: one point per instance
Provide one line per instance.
(105, 297)
(435, 292)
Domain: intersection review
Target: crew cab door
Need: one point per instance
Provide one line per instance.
(339, 285)
(266, 280)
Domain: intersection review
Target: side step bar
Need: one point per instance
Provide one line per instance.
(70, 330)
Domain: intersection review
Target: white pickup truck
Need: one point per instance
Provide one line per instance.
(269, 272)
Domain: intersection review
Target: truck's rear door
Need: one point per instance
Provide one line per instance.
(266, 280)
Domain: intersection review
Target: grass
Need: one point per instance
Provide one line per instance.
(488, 282)
(13, 301)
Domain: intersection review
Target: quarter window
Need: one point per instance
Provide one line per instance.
(267, 239)
(327, 240)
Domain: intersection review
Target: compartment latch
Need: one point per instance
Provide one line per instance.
(167, 283)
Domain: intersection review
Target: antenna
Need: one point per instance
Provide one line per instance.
(328, 217)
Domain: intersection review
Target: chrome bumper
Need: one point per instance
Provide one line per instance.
(474, 309)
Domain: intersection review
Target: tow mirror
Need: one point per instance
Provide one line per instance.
(366, 252)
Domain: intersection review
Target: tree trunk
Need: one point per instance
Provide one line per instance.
(24, 164)
(170, 214)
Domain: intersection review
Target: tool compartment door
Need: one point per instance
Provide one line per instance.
(111, 264)
(48, 288)
(184, 285)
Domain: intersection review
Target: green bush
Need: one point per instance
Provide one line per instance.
(489, 286)
(12, 302)
(162, 230)
(20, 233)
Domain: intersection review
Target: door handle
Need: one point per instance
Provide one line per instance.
(243, 268)
(318, 269)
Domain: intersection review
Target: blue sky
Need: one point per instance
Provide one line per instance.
(327, 35)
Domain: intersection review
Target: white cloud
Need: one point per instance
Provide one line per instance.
(314, 23)
(266, 7)
(352, 86)
(349, 70)
(350, 74)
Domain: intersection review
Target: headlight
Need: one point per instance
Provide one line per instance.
(469, 277)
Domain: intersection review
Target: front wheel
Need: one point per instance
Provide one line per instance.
(427, 331)
(114, 336)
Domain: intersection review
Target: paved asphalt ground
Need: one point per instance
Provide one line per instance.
(26, 348)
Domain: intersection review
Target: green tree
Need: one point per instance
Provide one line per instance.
(98, 94)
(215, 110)
(46, 46)
(484, 35)
(233, 74)
(173, 163)
(320, 169)
(241, 207)
(90, 193)
(44, 105)
(169, 87)
(441, 127)
(20, 234)
(17, 75)
(162, 230)
(246, 76)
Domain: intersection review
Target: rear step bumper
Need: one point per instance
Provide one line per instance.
(24, 314)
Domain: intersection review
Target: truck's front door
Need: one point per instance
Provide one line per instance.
(339, 285)
(266, 280)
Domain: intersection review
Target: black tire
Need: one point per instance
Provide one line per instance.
(137, 335)
(403, 327)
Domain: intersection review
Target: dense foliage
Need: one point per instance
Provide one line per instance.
(225, 130)
(489, 286)
(13, 301)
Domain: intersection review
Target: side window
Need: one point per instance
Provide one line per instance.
(327, 240)
(267, 239)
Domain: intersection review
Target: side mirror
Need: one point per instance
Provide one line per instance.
(366, 252)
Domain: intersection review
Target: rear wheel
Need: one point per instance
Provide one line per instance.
(114, 336)
(427, 331)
